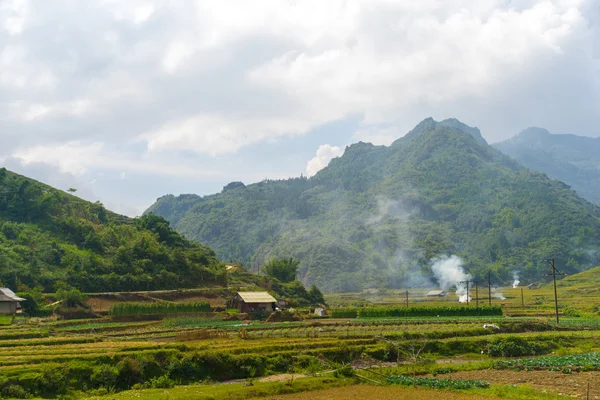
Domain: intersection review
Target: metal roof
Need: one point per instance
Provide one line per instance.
(257, 297)
(436, 292)
(8, 295)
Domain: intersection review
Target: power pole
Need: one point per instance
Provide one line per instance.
(467, 284)
(476, 296)
(490, 287)
(522, 299)
(553, 273)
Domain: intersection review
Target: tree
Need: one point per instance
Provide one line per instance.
(34, 299)
(71, 297)
(315, 295)
(284, 269)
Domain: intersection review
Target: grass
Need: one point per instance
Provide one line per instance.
(360, 392)
(229, 391)
(5, 319)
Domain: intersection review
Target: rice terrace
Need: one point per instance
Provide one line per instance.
(366, 343)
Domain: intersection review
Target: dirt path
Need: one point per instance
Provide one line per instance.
(574, 384)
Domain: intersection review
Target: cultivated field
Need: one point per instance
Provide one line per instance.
(168, 350)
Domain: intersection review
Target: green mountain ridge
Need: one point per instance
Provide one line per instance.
(47, 235)
(572, 159)
(377, 216)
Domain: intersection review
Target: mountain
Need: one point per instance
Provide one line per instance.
(47, 235)
(380, 216)
(572, 159)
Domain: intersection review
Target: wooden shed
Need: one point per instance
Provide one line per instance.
(254, 302)
(9, 301)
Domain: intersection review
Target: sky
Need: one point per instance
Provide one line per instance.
(129, 100)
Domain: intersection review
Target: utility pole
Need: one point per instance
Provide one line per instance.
(467, 284)
(522, 299)
(476, 296)
(490, 287)
(553, 273)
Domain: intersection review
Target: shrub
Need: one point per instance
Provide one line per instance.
(105, 376)
(162, 382)
(15, 392)
(130, 372)
(514, 346)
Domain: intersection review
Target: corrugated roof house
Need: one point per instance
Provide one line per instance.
(9, 301)
(436, 293)
(254, 302)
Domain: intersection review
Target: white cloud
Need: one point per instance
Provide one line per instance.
(325, 154)
(71, 157)
(12, 15)
(155, 80)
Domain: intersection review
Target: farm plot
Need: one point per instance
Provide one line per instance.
(575, 384)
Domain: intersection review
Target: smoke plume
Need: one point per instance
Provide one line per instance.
(450, 273)
(516, 280)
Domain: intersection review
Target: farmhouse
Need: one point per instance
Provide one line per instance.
(254, 302)
(436, 293)
(9, 302)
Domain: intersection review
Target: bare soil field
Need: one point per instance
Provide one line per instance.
(574, 384)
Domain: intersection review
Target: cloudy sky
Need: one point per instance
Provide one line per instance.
(128, 100)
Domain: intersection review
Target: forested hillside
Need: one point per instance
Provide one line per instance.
(572, 159)
(47, 236)
(378, 215)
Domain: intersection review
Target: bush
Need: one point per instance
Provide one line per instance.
(15, 392)
(105, 376)
(130, 373)
(514, 346)
(162, 382)
(71, 297)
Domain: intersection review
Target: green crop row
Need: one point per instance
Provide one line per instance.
(120, 309)
(432, 311)
(590, 361)
(435, 383)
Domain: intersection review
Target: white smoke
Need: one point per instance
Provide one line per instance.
(450, 273)
(516, 280)
(499, 296)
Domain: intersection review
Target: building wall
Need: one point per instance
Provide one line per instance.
(247, 307)
(7, 307)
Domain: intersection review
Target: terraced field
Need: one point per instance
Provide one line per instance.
(200, 356)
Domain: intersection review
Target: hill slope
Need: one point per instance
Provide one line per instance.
(572, 159)
(47, 235)
(378, 216)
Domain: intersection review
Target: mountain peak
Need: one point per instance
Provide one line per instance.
(429, 124)
(534, 132)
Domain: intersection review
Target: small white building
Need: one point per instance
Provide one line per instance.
(9, 301)
(436, 293)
